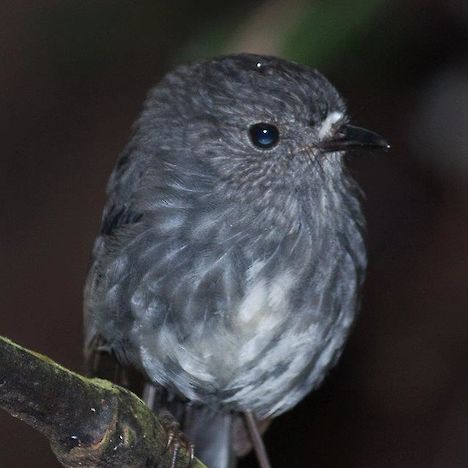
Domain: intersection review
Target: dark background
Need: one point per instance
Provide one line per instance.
(73, 75)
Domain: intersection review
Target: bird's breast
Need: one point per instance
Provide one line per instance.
(265, 304)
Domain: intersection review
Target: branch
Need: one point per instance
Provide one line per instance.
(89, 422)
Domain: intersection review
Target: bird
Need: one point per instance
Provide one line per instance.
(228, 269)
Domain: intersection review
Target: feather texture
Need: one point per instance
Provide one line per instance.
(229, 275)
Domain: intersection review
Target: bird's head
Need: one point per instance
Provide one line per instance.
(264, 128)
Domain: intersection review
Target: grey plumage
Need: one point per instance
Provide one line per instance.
(226, 273)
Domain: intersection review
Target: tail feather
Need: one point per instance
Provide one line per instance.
(211, 433)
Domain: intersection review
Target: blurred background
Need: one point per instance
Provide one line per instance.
(73, 76)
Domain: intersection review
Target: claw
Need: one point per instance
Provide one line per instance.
(176, 439)
(170, 439)
(191, 451)
(175, 452)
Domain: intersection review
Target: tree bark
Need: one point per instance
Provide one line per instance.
(89, 422)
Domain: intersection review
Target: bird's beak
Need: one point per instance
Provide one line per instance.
(349, 137)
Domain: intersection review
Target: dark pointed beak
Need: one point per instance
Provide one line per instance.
(349, 137)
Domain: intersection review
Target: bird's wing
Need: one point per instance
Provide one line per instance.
(99, 359)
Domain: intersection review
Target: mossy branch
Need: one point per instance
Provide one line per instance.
(89, 422)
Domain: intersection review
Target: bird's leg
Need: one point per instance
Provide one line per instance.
(257, 441)
(149, 394)
(175, 437)
(120, 375)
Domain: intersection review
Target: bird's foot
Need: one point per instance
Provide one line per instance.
(176, 439)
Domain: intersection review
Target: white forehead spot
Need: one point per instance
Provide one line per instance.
(328, 123)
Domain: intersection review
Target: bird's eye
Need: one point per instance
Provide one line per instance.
(264, 135)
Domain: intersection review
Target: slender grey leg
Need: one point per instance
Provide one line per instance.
(149, 394)
(257, 441)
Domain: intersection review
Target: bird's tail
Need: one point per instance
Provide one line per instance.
(211, 433)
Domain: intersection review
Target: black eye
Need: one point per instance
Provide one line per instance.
(264, 135)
